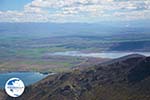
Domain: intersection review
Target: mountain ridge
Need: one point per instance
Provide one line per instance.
(125, 78)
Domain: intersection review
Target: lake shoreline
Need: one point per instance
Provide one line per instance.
(42, 72)
(109, 55)
(28, 78)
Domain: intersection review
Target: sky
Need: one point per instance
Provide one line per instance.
(86, 11)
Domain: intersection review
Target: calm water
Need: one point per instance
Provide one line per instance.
(99, 55)
(27, 77)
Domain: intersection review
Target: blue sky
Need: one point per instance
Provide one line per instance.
(13, 5)
(89, 11)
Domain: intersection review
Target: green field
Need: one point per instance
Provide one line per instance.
(27, 53)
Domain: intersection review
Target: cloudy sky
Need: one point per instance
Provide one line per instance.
(73, 10)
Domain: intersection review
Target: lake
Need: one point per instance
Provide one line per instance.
(97, 55)
(27, 77)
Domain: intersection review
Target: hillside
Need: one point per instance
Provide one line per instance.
(125, 78)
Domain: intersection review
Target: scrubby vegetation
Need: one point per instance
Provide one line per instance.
(107, 81)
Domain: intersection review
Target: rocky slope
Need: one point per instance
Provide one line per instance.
(125, 78)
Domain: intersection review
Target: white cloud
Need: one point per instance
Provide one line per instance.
(133, 15)
(79, 10)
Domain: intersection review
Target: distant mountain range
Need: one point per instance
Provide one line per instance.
(125, 78)
(61, 29)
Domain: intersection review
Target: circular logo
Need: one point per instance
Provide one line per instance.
(14, 87)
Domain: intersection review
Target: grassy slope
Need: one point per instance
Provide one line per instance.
(109, 81)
